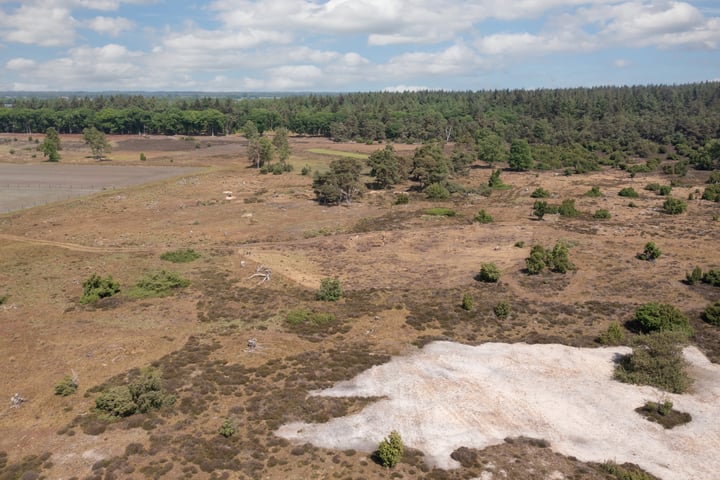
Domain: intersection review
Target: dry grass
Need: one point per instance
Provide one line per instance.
(404, 275)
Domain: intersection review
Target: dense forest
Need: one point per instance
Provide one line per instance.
(576, 128)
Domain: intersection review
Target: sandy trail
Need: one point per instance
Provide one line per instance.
(450, 395)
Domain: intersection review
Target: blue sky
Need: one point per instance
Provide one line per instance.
(354, 45)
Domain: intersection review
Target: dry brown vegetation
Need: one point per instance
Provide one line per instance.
(404, 274)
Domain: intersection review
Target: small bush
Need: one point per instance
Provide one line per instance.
(489, 273)
(712, 314)
(674, 206)
(556, 260)
(158, 284)
(601, 214)
(540, 193)
(390, 450)
(622, 472)
(180, 256)
(660, 317)
(305, 171)
(143, 394)
(227, 429)
(536, 262)
(402, 199)
(502, 310)
(712, 193)
(656, 360)
(652, 187)
(67, 386)
(519, 244)
(628, 192)
(650, 252)
(594, 192)
(437, 191)
(483, 217)
(663, 413)
(494, 181)
(694, 277)
(567, 209)
(440, 212)
(143, 157)
(467, 302)
(330, 290)
(116, 402)
(614, 335)
(712, 277)
(96, 287)
(664, 190)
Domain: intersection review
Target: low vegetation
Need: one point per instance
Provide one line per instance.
(650, 252)
(711, 314)
(96, 287)
(390, 450)
(601, 214)
(467, 302)
(594, 192)
(140, 395)
(556, 260)
(330, 290)
(502, 310)
(158, 284)
(180, 256)
(540, 193)
(614, 335)
(662, 317)
(440, 212)
(67, 386)
(628, 192)
(483, 217)
(664, 414)
(656, 360)
(674, 206)
(227, 429)
(489, 273)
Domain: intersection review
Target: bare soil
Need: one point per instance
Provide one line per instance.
(404, 273)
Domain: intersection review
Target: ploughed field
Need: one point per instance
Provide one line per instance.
(403, 271)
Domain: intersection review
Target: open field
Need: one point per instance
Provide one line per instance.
(404, 274)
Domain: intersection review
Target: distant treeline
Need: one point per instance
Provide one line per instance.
(602, 121)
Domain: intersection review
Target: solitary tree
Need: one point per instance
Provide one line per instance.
(385, 167)
(429, 164)
(97, 142)
(520, 155)
(390, 450)
(250, 132)
(51, 145)
(281, 144)
(341, 183)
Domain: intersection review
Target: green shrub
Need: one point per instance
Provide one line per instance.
(674, 206)
(540, 193)
(502, 310)
(143, 157)
(567, 209)
(628, 192)
(664, 190)
(116, 402)
(141, 395)
(227, 429)
(489, 273)
(330, 290)
(694, 277)
(594, 192)
(652, 187)
(467, 302)
(712, 277)
(660, 317)
(440, 212)
(3, 299)
(650, 252)
(601, 214)
(67, 386)
(402, 199)
(712, 193)
(390, 450)
(158, 284)
(96, 287)
(519, 244)
(632, 205)
(712, 314)
(714, 178)
(535, 263)
(556, 260)
(614, 335)
(622, 472)
(437, 191)
(663, 413)
(180, 256)
(305, 171)
(483, 217)
(656, 360)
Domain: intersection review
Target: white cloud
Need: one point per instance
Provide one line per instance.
(405, 88)
(20, 64)
(621, 63)
(35, 24)
(455, 60)
(110, 26)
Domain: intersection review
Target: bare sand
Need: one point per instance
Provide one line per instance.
(450, 395)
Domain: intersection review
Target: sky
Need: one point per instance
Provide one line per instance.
(354, 45)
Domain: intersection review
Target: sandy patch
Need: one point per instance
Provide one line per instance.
(450, 395)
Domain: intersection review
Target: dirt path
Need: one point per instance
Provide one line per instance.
(74, 246)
